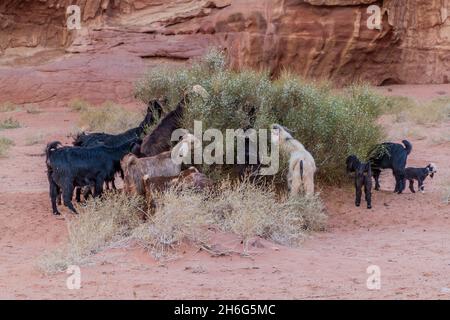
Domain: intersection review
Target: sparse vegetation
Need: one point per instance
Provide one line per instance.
(406, 109)
(5, 145)
(34, 139)
(183, 215)
(101, 224)
(9, 123)
(33, 109)
(331, 125)
(78, 105)
(109, 118)
(9, 107)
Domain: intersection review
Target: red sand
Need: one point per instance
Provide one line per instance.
(406, 235)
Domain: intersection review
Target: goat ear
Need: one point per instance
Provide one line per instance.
(288, 130)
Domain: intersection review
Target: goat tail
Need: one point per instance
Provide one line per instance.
(301, 169)
(408, 146)
(52, 146)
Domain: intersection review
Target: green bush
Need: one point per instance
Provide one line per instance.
(330, 124)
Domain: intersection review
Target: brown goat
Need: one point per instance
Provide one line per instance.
(159, 140)
(161, 165)
(190, 178)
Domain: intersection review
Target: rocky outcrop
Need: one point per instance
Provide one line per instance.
(43, 61)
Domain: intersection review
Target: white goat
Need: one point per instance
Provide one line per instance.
(302, 166)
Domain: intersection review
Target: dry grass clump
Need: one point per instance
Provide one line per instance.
(180, 217)
(78, 105)
(100, 224)
(9, 107)
(5, 145)
(109, 118)
(9, 123)
(30, 109)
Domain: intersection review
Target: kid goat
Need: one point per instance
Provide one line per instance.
(302, 166)
(363, 178)
(420, 175)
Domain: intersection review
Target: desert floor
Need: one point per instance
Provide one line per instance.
(407, 236)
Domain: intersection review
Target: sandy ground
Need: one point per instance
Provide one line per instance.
(407, 236)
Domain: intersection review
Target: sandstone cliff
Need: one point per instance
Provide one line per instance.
(40, 60)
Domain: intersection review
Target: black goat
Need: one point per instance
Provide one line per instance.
(420, 175)
(393, 156)
(100, 138)
(363, 178)
(70, 167)
(160, 139)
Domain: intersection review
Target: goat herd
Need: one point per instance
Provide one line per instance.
(146, 165)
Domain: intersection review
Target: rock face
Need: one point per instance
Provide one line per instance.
(41, 60)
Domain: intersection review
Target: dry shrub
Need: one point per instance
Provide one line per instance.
(109, 117)
(180, 216)
(30, 109)
(9, 123)
(249, 210)
(78, 105)
(100, 224)
(9, 107)
(244, 209)
(5, 145)
(183, 215)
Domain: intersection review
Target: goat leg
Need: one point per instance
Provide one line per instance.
(376, 176)
(421, 187)
(411, 186)
(368, 194)
(54, 195)
(358, 195)
(67, 197)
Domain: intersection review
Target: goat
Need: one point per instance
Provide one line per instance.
(161, 165)
(302, 166)
(190, 178)
(159, 140)
(363, 178)
(393, 156)
(420, 175)
(99, 138)
(70, 167)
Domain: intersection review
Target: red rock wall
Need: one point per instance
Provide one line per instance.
(121, 38)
